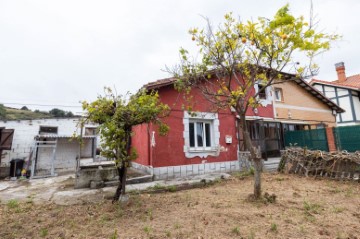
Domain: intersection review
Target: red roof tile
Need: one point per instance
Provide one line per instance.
(351, 82)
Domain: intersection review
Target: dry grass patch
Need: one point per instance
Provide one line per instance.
(304, 208)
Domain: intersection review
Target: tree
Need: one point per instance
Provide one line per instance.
(57, 112)
(238, 55)
(2, 111)
(24, 108)
(69, 114)
(116, 116)
(61, 113)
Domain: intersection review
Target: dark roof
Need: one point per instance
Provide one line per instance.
(169, 81)
(159, 83)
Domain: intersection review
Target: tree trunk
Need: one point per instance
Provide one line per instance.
(122, 170)
(120, 190)
(257, 178)
(253, 157)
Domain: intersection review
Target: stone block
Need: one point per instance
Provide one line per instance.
(217, 167)
(195, 169)
(201, 168)
(157, 171)
(170, 172)
(183, 171)
(163, 170)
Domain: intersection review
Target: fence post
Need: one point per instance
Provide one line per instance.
(330, 139)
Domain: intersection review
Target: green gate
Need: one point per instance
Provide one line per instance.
(347, 138)
(311, 139)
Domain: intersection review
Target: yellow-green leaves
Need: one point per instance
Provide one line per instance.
(117, 115)
(239, 53)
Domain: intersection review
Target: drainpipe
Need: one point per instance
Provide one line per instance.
(274, 102)
(150, 151)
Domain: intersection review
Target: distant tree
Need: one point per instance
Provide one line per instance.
(24, 108)
(116, 116)
(238, 56)
(69, 114)
(57, 112)
(37, 111)
(2, 111)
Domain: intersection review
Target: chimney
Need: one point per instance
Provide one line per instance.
(340, 70)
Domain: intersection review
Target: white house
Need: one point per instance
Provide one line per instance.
(47, 145)
(345, 92)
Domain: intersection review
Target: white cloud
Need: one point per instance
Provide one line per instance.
(61, 52)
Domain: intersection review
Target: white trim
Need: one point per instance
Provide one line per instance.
(285, 106)
(215, 134)
(258, 117)
(269, 98)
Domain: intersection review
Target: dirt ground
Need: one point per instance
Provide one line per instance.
(304, 208)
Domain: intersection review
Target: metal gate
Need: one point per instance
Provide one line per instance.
(311, 139)
(347, 138)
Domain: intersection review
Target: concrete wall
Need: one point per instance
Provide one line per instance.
(23, 142)
(65, 157)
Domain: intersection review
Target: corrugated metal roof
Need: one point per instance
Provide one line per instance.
(56, 136)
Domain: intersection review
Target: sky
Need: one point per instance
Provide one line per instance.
(54, 54)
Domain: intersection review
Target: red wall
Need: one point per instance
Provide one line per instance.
(140, 141)
(169, 150)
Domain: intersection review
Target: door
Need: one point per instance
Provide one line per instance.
(6, 138)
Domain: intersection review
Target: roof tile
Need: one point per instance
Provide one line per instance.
(352, 82)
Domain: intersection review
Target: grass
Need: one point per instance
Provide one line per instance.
(236, 230)
(115, 235)
(205, 212)
(273, 227)
(159, 187)
(244, 174)
(17, 114)
(13, 204)
(312, 208)
(338, 209)
(150, 214)
(44, 232)
(147, 229)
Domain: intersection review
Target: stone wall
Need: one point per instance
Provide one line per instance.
(183, 171)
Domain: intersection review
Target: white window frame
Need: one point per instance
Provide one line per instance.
(268, 100)
(196, 146)
(202, 151)
(280, 94)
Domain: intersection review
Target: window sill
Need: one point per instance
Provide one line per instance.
(202, 150)
(202, 153)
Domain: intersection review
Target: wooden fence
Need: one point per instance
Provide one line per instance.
(340, 165)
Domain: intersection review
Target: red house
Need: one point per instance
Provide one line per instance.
(200, 142)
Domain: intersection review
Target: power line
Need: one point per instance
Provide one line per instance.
(73, 106)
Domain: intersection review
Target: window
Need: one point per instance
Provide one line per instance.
(278, 94)
(264, 95)
(48, 130)
(201, 134)
(262, 91)
(90, 131)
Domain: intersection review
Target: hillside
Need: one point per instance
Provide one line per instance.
(17, 114)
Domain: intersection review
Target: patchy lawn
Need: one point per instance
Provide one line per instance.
(304, 208)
